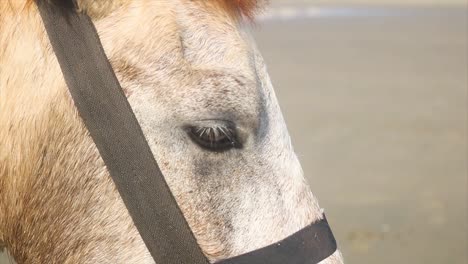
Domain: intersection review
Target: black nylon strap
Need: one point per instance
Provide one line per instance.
(114, 128)
(111, 123)
(310, 245)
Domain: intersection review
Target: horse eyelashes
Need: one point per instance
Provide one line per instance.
(214, 138)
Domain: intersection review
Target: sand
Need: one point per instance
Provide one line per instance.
(376, 103)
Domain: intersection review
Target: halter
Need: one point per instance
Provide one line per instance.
(117, 134)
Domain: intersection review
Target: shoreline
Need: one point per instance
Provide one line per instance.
(419, 3)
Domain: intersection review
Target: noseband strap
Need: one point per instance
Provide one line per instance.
(310, 245)
(114, 129)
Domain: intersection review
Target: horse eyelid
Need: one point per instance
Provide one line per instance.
(214, 138)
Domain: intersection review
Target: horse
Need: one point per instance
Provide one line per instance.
(202, 95)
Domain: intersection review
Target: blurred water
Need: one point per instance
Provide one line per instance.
(303, 12)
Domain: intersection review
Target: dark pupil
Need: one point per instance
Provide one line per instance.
(214, 138)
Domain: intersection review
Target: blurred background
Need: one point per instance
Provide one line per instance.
(375, 96)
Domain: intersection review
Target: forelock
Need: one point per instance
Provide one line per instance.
(99, 8)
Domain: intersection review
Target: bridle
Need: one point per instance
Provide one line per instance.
(114, 129)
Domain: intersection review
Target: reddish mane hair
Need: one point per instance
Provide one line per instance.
(248, 7)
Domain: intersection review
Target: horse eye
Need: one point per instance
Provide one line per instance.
(214, 138)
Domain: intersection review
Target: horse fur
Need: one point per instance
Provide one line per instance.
(179, 62)
(102, 8)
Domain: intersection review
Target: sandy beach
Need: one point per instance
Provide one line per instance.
(376, 102)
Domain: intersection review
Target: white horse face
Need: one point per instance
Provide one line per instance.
(202, 95)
